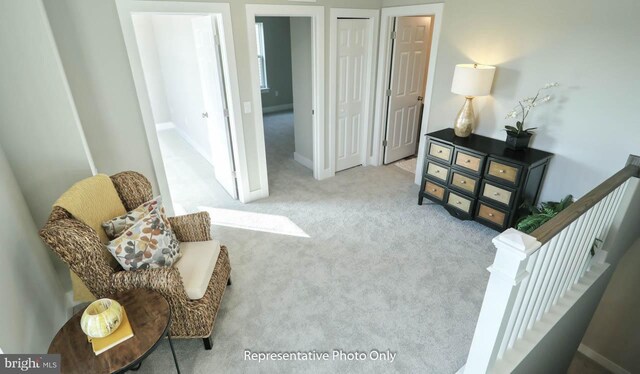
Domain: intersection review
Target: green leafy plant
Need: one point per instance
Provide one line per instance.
(541, 214)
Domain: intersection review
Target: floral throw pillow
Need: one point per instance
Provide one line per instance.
(148, 243)
(116, 226)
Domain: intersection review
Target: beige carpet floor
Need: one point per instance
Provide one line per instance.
(349, 263)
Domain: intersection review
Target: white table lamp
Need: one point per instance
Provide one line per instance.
(470, 80)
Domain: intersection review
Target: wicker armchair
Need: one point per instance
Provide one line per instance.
(80, 247)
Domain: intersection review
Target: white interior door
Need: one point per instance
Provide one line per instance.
(406, 88)
(215, 110)
(353, 55)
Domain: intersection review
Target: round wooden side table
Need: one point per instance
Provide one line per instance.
(149, 314)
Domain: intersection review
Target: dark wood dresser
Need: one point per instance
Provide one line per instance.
(480, 178)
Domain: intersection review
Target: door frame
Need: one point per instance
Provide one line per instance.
(384, 63)
(316, 13)
(373, 16)
(222, 13)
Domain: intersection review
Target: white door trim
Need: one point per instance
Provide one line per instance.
(320, 171)
(222, 13)
(384, 60)
(373, 15)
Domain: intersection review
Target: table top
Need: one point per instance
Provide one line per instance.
(492, 147)
(149, 314)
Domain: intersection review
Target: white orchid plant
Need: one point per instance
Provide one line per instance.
(524, 107)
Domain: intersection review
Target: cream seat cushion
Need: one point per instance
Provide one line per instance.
(196, 266)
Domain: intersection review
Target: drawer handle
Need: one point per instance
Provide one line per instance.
(501, 171)
(463, 182)
(459, 202)
(490, 214)
(467, 160)
(437, 171)
(433, 190)
(496, 194)
(439, 150)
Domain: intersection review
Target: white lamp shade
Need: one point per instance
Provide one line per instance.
(472, 79)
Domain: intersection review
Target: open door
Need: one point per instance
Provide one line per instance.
(215, 110)
(412, 39)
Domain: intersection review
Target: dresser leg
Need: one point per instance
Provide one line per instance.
(420, 200)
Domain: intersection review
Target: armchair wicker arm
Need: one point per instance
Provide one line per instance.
(194, 227)
(167, 281)
(79, 247)
(133, 188)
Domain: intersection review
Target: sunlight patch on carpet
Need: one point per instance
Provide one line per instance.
(254, 221)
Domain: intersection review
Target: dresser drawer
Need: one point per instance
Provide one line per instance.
(463, 183)
(497, 194)
(437, 171)
(493, 216)
(468, 161)
(440, 151)
(435, 190)
(503, 171)
(460, 202)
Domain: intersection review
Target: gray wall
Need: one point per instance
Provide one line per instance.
(182, 81)
(33, 307)
(591, 124)
(278, 59)
(33, 301)
(146, 38)
(40, 131)
(303, 101)
(95, 60)
(94, 55)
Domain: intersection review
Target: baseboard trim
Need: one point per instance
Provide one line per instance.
(277, 108)
(601, 360)
(303, 160)
(194, 145)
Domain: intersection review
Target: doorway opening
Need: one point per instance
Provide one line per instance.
(304, 122)
(284, 46)
(409, 65)
(406, 60)
(181, 62)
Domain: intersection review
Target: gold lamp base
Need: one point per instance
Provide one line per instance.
(463, 126)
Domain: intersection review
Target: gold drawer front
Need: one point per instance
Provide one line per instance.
(439, 151)
(497, 194)
(462, 182)
(434, 190)
(437, 171)
(492, 215)
(468, 161)
(502, 171)
(459, 202)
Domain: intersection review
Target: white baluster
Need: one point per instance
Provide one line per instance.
(564, 255)
(577, 249)
(547, 285)
(571, 248)
(585, 248)
(537, 299)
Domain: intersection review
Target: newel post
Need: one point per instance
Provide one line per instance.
(507, 272)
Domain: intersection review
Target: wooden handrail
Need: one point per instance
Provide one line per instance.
(552, 227)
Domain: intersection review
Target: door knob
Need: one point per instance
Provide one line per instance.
(205, 115)
(420, 98)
